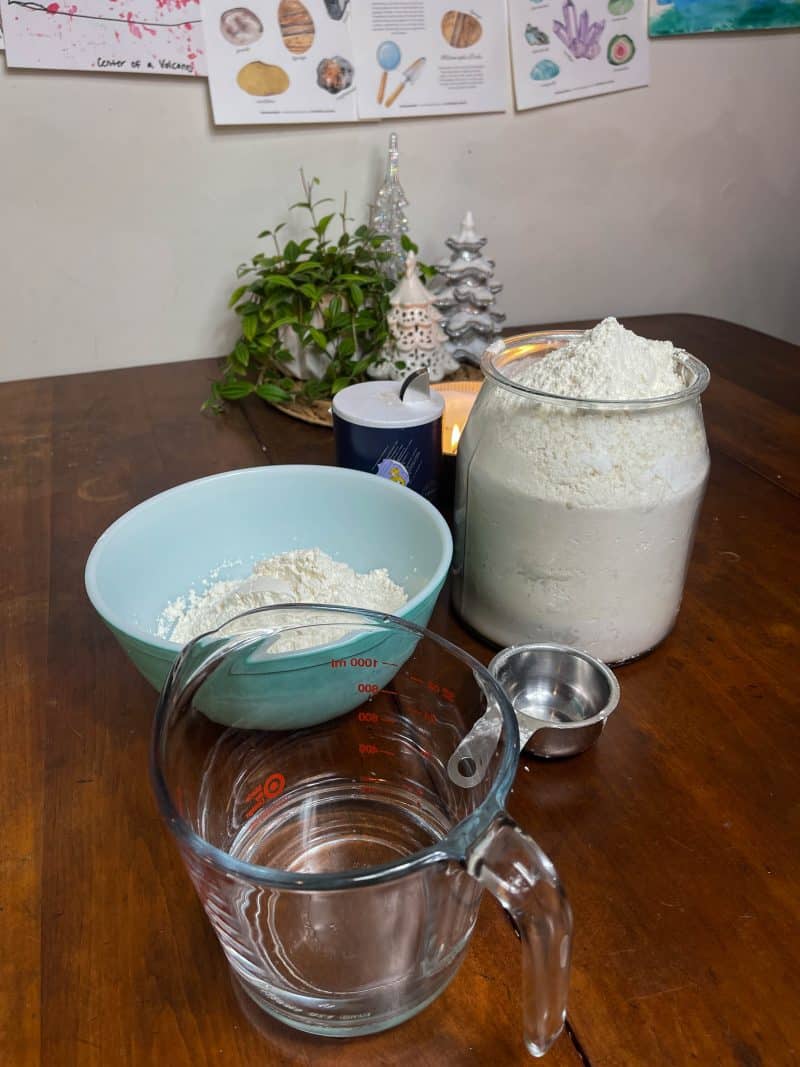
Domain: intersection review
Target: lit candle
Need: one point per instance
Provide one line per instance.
(458, 400)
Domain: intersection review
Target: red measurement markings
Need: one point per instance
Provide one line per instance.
(434, 687)
(373, 750)
(368, 716)
(370, 783)
(272, 787)
(427, 716)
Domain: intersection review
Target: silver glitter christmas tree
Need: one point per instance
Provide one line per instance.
(465, 295)
(388, 213)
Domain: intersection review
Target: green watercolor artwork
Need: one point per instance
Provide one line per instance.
(710, 16)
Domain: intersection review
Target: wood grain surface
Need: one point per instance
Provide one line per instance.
(677, 836)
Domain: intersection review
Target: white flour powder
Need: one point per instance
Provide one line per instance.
(576, 525)
(301, 576)
(607, 363)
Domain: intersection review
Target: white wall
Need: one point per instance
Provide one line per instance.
(124, 212)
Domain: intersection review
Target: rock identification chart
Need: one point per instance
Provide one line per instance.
(569, 49)
(427, 57)
(114, 36)
(278, 61)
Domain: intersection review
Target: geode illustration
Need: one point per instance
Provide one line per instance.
(240, 26)
(533, 35)
(621, 50)
(335, 74)
(545, 70)
(262, 79)
(337, 8)
(296, 26)
(579, 37)
(460, 29)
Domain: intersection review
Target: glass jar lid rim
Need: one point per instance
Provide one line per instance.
(489, 367)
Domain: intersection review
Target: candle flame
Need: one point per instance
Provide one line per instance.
(455, 437)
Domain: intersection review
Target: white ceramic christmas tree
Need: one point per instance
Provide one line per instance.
(465, 294)
(388, 215)
(417, 339)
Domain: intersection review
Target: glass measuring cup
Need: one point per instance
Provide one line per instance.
(341, 864)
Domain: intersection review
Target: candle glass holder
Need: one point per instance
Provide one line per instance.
(458, 400)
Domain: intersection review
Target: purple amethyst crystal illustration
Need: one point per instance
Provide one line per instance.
(581, 39)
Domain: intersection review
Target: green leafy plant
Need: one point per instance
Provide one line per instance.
(327, 294)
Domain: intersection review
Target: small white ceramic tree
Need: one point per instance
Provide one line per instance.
(417, 339)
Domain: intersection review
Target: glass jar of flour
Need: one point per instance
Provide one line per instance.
(575, 517)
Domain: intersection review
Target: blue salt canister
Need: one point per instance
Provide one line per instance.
(392, 429)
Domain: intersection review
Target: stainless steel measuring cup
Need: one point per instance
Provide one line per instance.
(341, 865)
(562, 696)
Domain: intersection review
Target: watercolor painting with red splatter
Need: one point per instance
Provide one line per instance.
(110, 36)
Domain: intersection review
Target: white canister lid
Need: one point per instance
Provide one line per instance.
(378, 404)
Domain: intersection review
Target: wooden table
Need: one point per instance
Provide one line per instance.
(677, 837)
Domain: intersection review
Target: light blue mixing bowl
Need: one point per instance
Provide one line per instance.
(170, 543)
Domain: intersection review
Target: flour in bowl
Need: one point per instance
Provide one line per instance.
(301, 576)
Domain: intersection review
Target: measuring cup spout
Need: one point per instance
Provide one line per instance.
(518, 873)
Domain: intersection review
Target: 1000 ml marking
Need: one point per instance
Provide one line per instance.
(354, 661)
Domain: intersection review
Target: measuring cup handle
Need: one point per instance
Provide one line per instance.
(515, 870)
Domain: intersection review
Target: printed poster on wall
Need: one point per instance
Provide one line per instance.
(114, 36)
(278, 61)
(571, 49)
(425, 57)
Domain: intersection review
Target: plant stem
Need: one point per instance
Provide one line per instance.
(307, 191)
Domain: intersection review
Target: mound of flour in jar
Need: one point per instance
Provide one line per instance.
(578, 521)
(607, 362)
(301, 576)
